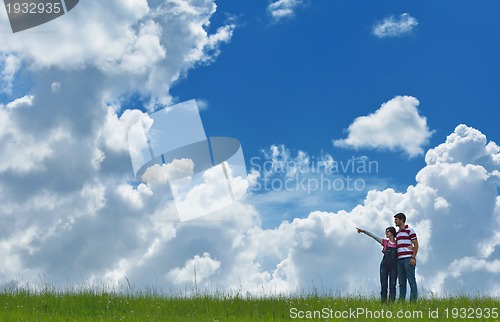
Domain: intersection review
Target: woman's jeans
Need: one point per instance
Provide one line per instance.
(388, 273)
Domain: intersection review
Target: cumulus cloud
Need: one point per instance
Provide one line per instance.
(281, 160)
(140, 47)
(65, 168)
(9, 64)
(198, 269)
(160, 174)
(393, 26)
(466, 145)
(282, 9)
(396, 125)
(23, 151)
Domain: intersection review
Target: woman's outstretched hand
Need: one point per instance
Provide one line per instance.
(360, 230)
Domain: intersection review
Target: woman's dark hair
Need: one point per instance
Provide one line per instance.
(392, 230)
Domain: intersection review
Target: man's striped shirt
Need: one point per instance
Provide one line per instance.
(403, 240)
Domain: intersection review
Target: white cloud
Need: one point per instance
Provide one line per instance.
(396, 125)
(196, 270)
(282, 9)
(208, 191)
(19, 102)
(161, 174)
(64, 169)
(279, 160)
(466, 145)
(96, 33)
(23, 151)
(11, 64)
(139, 46)
(395, 26)
(55, 87)
(115, 129)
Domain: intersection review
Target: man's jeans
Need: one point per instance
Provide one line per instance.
(390, 274)
(407, 272)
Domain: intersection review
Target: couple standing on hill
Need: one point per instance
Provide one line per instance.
(400, 258)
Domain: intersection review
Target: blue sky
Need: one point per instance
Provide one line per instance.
(302, 80)
(297, 83)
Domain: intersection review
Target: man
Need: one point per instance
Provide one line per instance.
(407, 244)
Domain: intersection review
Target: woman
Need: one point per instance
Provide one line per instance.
(389, 264)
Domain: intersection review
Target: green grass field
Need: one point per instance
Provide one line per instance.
(98, 306)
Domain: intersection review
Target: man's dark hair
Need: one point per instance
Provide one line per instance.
(400, 216)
